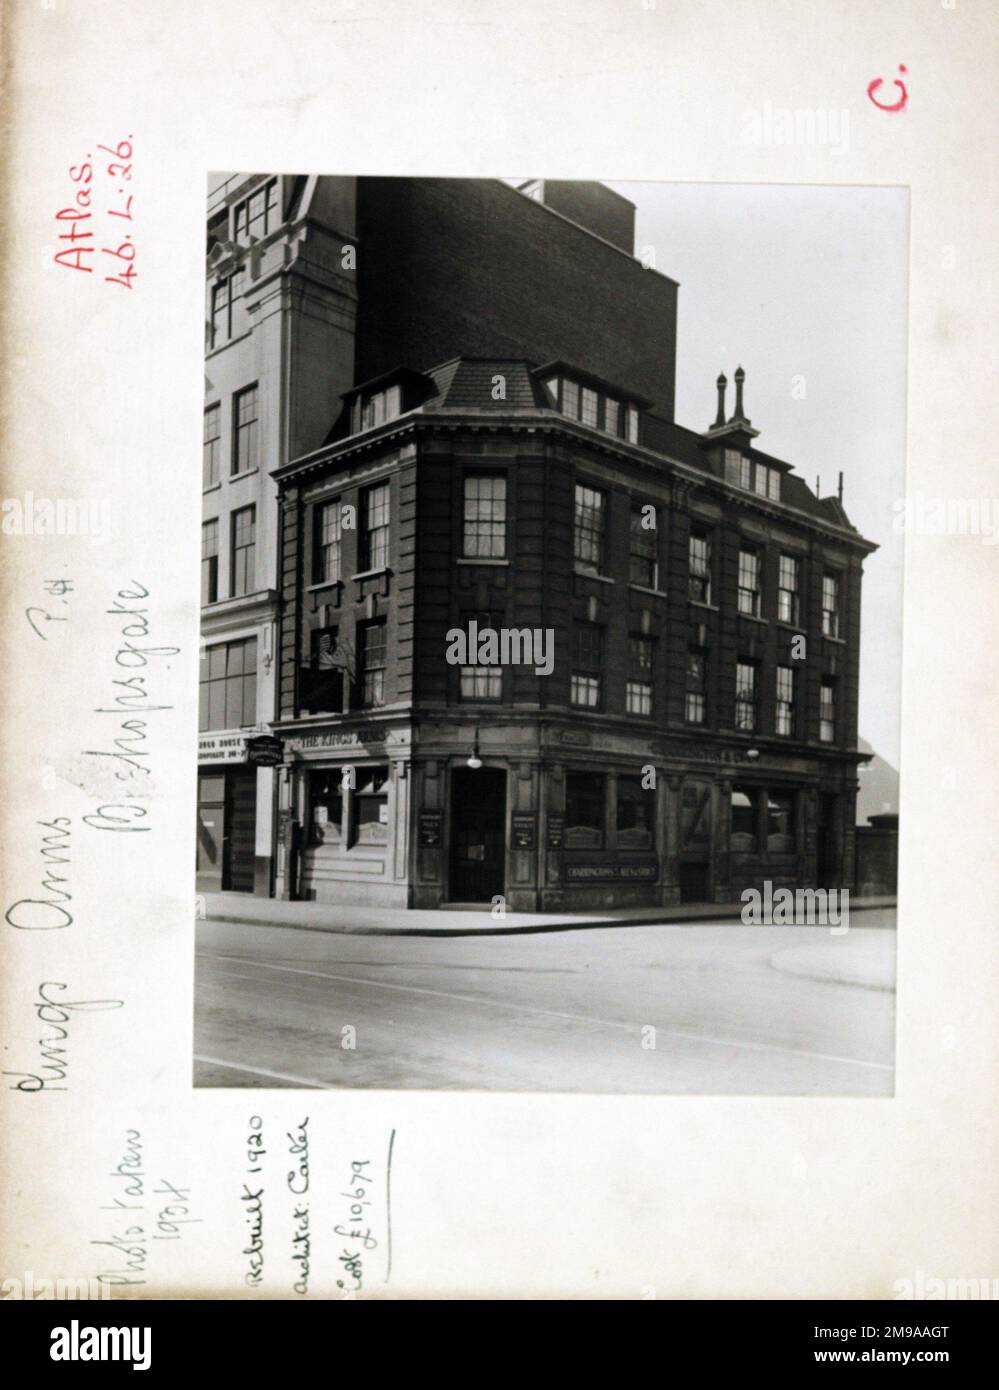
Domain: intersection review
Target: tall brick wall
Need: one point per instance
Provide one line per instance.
(470, 266)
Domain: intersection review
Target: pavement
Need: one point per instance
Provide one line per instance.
(449, 921)
(699, 1008)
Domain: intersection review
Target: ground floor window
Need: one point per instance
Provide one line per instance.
(780, 822)
(585, 805)
(636, 812)
(326, 807)
(369, 821)
(348, 806)
(743, 828)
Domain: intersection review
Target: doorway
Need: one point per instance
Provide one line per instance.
(478, 834)
(227, 817)
(826, 842)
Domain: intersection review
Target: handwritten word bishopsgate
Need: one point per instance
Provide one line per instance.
(129, 752)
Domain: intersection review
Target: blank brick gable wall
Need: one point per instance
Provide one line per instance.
(451, 267)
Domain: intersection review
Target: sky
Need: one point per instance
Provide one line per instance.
(798, 281)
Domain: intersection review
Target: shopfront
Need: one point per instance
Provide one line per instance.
(343, 814)
(227, 815)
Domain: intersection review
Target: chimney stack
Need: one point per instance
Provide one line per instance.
(722, 384)
(740, 377)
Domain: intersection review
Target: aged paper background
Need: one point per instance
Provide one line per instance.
(520, 1196)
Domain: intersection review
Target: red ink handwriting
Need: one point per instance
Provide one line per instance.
(878, 82)
(79, 216)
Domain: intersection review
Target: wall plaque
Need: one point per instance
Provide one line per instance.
(522, 830)
(431, 829)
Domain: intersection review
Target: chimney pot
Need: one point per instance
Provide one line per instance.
(722, 384)
(740, 377)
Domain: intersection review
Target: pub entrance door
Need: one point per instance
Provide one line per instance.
(695, 841)
(478, 834)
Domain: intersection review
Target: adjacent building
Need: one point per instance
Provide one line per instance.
(655, 695)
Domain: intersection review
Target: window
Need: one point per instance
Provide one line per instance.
(570, 398)
(780, 822)
(590, 405)
(827, 710)
(328, 535)
(742, 834)
(245, 439)
(830, 605)
(484, 519)
(212, 453)
(755, 477)
(220, 311)
(612, 416)
(636, 814)
(480, 682)
(632, 412)
(326, 806)
(585, 810)
(257, 215)
(697, 685)
(322, 680)
(369, 818)
(372, 659)
(785, 700)
(380, 407)
(700, 566)
(644, 566)
(375, 523)
(787, 588)
(738, 468)
(228, 314)
(587, 661)
(244, 528)
(638, 698)
(749, 583)
(588, 536)
(745, 696)
(638, 689)
(210, 562)
(228, 685)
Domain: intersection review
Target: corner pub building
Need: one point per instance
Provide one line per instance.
(687, 743)
(697, 734)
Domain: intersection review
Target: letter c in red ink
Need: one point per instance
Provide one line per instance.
(899, 105)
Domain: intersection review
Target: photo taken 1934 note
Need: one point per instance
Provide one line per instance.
(538, 746)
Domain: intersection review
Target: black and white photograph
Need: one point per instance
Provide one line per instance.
(499, 550)
(551, 606)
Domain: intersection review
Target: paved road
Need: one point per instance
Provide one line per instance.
(734, 1009)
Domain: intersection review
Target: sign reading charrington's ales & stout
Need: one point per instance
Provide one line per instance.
(612, 873)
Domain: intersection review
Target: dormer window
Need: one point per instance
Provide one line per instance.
(595, 408)
(738, 469)
(379, 407)
(754, 477)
